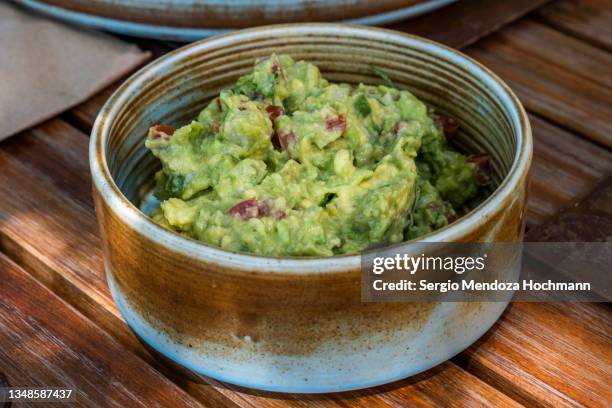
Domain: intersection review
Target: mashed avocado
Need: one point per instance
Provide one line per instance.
(286, 163)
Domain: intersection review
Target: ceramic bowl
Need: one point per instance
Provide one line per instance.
(295, 324)
(189, 20)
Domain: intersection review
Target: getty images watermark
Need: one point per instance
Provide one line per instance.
(459, 272)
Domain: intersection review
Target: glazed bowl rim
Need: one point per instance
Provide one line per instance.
(132, 216)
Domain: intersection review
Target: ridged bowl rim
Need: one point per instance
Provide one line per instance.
(198, 251)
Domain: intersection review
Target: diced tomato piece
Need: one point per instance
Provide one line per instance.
(449, 125)
(163, 132)
(169, 130)
(481, 160)
(246, 209)
(482, 164)
(274, 111)
(336, 123)
(280, 214)
(252, 208)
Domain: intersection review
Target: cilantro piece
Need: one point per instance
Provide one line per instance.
(362, 106)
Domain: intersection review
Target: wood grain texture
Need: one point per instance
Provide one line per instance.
(467, 21)
(46, 343)
(53, 234)
(585, 19)
(546, 354)
(552, 84)
(56, 196)
(564, 169)
(589, 220)
(572, 54)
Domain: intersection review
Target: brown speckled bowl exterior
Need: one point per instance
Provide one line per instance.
(291, 324)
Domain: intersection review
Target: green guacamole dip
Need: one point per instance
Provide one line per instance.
(286, 163)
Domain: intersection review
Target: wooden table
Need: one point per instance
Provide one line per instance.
(60, 327)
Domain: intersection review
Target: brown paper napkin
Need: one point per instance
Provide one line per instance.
(47, 67)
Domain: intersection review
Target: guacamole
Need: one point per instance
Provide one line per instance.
(287, 163)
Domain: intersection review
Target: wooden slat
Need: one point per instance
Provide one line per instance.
(545, 354)
(585, 19)
(589, 220)
(575, 56)
(564, 169)
(557, 90)
(46, 343)
(53, 234)
(466, 21)
(45, 150)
